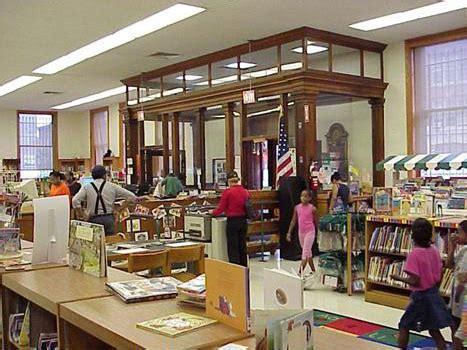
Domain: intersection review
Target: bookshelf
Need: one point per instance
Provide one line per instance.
(74, 164)
(388, 242)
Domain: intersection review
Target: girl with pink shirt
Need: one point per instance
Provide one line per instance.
(306, 214)
(426, 311)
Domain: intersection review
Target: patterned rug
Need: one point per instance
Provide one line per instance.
(369, 331)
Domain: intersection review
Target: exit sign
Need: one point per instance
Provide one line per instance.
(249, 96)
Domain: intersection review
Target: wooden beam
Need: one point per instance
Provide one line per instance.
(244, 145)
(330, 58)
(377, 128)
(165, 144)
(176, 143)
(199, 146)
(362, 63)
(306, 131)
(229, 137)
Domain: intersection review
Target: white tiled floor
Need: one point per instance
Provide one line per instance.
(324, 298)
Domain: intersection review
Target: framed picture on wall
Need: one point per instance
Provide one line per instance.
(219, 173)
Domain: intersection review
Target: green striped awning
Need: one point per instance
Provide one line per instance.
(403, 162)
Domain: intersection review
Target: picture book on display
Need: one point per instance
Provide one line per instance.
(228, 294)
(282, 289)
(175, 324)
(87, 248)
(193, 292)
(292, 332)
(145, 289)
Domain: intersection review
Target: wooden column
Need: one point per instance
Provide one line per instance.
(134, 142)
(165, 144)
(176, 143)
(244, 146)
(377, 128)
(306, 132)
(199, 146)
(229, 137)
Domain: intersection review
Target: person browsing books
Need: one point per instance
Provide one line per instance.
(233, 205)
(100, 197)
(306, 215)
(426, 311)
(58, 186)
(457, 260)
(73, 185)
(341, 197)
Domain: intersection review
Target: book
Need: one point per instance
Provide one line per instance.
(15, 323)
(175, 324)
(87, 248)
(282, 289)
(298, 329)
(196, 285)
(228, 294)
(382, 200)
(24, 334)
(145, 289)
(47, 341)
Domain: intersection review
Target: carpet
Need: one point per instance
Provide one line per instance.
(368, 331)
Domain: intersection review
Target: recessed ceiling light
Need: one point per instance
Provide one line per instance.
(17, 83)
(157, 21)
(411, 15)
(243, 65)
(189, 77)
(91, 98)
(310, 49)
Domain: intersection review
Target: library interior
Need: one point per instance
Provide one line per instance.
(293, 179)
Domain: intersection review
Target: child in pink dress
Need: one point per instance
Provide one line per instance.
(306, 214)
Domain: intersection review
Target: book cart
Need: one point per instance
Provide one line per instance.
(388, 242)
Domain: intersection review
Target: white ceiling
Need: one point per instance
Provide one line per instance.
(34, 32)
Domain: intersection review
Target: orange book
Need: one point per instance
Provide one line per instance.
(228, 294)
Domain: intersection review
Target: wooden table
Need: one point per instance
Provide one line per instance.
(44, 290)
(109, 322)
(328, 339)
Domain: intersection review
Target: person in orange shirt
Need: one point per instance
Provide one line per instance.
(58, 186)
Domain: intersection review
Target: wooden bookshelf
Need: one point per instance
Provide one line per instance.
(385, 293)
(75, 165)
(45, 290)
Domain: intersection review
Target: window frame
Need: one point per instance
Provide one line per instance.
(54, 135)
(92, 112)
(410, 46)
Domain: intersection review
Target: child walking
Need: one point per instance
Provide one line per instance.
(427, 310)
(306, 214)
(457, 260)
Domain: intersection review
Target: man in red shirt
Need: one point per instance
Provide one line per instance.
(233, 205)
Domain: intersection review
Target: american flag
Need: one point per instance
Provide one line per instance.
(284, 157)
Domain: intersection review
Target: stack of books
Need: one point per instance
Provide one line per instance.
(388, 239)
(193, 292)
(381, 269)
(447, 280)
(145, 289)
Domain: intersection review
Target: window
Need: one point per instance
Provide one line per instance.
(100, 134)
(35, 136)
(440, 98)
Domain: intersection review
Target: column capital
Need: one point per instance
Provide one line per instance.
(305, 97)
(376, 102)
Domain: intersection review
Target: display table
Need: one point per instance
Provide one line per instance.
(109, 322)
(44, 290)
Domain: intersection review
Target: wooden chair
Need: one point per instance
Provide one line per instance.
(148, 261)
(114, 239)
(193, 254)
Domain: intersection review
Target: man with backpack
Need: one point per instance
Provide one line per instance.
(100, 197)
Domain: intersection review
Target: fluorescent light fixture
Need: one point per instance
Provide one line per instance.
(292, 66)
(189, 77)
(267, 111)
(411, 15)
(155, 22)
(211, 108)
(91, 98)
(310, 49)
(269, 98)
(17, 83)
(243, 65)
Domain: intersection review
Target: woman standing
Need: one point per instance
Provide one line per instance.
(73, 185)
(341, 197)
(233, 205)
